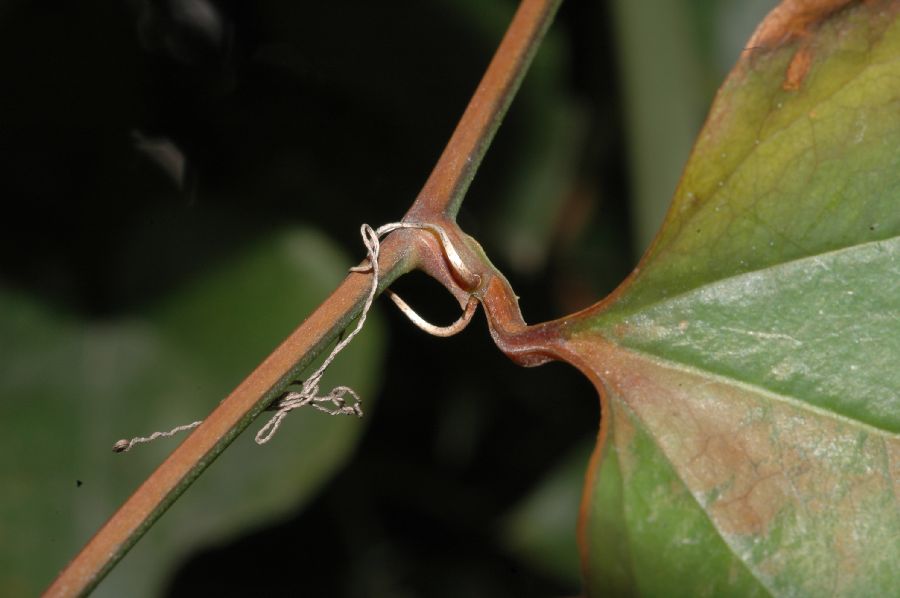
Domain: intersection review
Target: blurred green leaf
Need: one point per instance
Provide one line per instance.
(542, 167)
(671, 55)
(530, 214)
(72, 387)
(541, 529)
(664, 96)
(752, 412)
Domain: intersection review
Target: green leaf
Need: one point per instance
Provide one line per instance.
(80, 385)
(749, 365)
(668, 52)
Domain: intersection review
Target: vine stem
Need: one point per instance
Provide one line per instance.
(401, 252)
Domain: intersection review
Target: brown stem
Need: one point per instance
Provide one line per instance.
(437, 203)
(223, 425)
(444, 190)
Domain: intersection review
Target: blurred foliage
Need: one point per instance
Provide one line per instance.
(542, 527)
(161, 157)
(74, 386)
(673, 54)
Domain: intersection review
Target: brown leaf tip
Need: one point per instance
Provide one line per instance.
(797, 69)
(792, 19)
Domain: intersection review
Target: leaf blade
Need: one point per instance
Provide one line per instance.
(756, 343)
(750, 129)
(835, 308)
(780, 485)
(654, 512)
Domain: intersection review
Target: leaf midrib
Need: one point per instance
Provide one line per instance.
(762, 391)
(618, 316)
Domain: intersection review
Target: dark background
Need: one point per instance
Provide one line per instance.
(145, 143)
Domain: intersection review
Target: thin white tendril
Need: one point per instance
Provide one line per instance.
(309, 391)
(308, 395)
(123, 446)
(427, 326)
